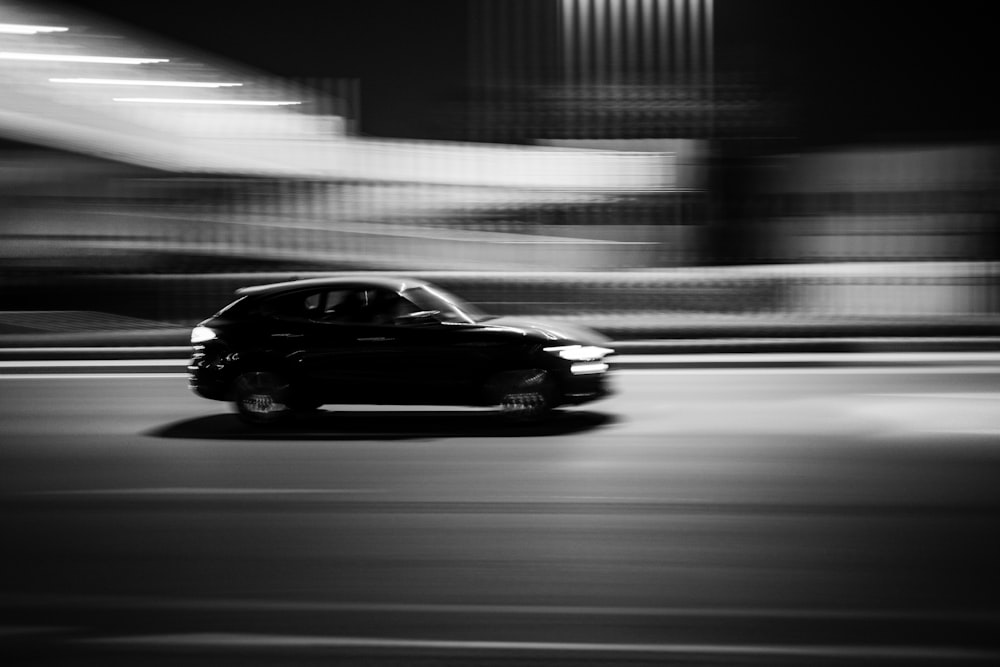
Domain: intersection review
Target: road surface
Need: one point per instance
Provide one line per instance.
(699, 516)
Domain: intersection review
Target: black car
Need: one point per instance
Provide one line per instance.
(294, 346)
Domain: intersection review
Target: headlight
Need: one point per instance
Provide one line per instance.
(588, 368)
(580, 352)
(201, 334)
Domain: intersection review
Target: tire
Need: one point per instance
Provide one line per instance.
(524, 396)
(262, 398)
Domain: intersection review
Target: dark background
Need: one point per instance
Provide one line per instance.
(856, 70)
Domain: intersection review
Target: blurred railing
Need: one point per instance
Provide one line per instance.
(195, 222)
(924, 292)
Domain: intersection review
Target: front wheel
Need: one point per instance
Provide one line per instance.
(261, 398)
(524, 396)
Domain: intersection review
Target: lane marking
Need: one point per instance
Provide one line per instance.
(882, 340)
(92, 363)
(92, 376)
(236, 640)
(812, 357)
(133, 349)
(984, 396)
(810, 370)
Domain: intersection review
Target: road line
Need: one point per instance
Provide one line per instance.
(93, 363)
(811, 357)
(221, 640)
(91, 376)
(780, 340)
(984, 396)
(809, 370)
(130, 349)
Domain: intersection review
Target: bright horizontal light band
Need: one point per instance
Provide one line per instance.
(169, 100)
(21, 29)
(580, 352)
(143, 82)
(52, 57)
(588, 368)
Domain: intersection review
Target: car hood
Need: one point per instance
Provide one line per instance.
(548, 331)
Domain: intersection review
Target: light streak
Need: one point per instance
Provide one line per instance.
(66, 58)
(171, 100)
(146, 82)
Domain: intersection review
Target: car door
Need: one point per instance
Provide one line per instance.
(344, 360)
(363, 349)
(440, 363)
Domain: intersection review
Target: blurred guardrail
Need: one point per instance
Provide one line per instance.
(370, 227)
(892, 291)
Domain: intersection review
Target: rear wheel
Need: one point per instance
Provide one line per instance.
(262, 398)
(524, 396)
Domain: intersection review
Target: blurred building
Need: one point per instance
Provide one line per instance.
(881, 204)
(631, 75)
(591, 69)
(598, 135)
(168, 158)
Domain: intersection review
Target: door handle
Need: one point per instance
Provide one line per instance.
(375, 338)
(286, 335)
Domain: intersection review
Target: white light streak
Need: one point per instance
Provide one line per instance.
(171, 100)
(91, 376)
(22, 29)
(588, 369)
(146, 82)
(91, 363)
(63, 58)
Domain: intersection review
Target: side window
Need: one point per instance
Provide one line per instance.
(344, 306)
(364, 306)
(295, 306)
(389, 306)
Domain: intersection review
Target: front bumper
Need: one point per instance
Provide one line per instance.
(207, 379)
(576, 389)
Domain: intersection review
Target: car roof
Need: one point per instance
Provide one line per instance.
(396, 284)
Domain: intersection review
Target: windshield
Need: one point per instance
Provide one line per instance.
(450, 307)
(231, 307)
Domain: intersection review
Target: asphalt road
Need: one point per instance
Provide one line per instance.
(729, 516)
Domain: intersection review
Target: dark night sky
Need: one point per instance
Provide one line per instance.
(869, 70)
(858, 70)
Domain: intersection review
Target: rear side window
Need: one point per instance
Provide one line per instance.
(297, 305)
(342, 306)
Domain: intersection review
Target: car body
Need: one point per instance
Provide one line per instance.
(296, 345)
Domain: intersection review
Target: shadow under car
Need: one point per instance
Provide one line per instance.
(383, 424)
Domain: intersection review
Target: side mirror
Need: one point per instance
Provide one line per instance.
(419, 318)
